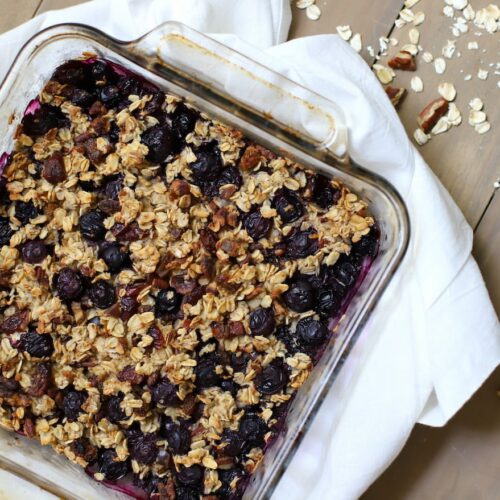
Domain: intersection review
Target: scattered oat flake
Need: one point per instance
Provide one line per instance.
(469, 13)
(449, 49)
(303, 4)
(460, 4)
(427, 57)
(313, 12)
(467, 77)
(417, 85)
(384, 74)
(344, 32)
(419, 19)
(476, 104)
(472, 46)
(411, 48)
(482, 74)
(414, 35)
(482, 128)
(399, 23)
(407, 15)
(410, 3)
(356, 43)
(476, 117)
(454, 116)
(439, 65)
(441, 126)
(447, 90)
(420, 137)
(448, 11)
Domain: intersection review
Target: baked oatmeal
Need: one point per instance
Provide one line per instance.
(166, 284)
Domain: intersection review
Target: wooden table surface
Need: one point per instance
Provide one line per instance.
(461, 460)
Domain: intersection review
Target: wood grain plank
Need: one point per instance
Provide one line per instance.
(486, 249)
(15, 13)
(56, 4)
(466, 162)
(371, 19)
(458, 461)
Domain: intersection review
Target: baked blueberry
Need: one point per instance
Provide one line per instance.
(38, 345)
(111, 467)
(262, 321)
(191, 476)
(299, 297)
(143, 448)
(165, 393)
(6, 231)
(301, 244)
(72, 404)
(92, 225)
(311, 331)
(34, 251)
(102, 294)
(288, 205)
(256, 225)
(184, 120)
(328, 303)
(112, 410)
(272, 379)
(68, 284)
(206, 375)
(114, 258)
(161, 143)
(43, 119)
(25, 211)
(168, 301)
(177, 435)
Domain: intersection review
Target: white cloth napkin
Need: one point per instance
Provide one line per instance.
(434, 336)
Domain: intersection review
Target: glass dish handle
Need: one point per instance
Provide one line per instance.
(270, 99)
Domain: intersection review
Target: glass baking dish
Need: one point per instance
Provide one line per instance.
(268, 108)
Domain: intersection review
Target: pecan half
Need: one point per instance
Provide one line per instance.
(430, 115)
(403, 60)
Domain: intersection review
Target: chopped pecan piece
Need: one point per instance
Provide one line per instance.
(396, 95)
(179, 187)
(132, 232)
(208, 239)
(128, 374)
(403, 60)
(40, 380)
(250, 158)
(53, 169)
(158, 338)
(236, 328)
(181, 284)
(29, 428)
(100, 125)
(97, 108)
(430, 115)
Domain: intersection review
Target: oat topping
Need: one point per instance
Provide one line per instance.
(166, 284)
